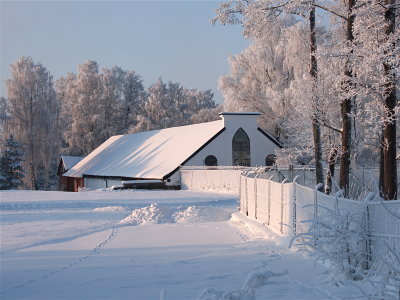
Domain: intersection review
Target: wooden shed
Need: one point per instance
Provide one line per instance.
(68, 184)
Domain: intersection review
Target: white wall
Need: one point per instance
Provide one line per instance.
(99, 183)
(221, 147)
(211, 179)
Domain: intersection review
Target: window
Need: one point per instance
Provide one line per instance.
(270, 160)
(211, 160)
(241, 149)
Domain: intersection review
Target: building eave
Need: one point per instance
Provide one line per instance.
(194, 153)
(270, 137)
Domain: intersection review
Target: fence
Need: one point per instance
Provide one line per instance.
(220, 179)
(364, 179)
(287, 206)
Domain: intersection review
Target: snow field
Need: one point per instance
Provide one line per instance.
(59, 246)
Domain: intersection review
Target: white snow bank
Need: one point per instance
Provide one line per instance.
(253, 228)
(248, 290)
(157, 214)
(110, 209)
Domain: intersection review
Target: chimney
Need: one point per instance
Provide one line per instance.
(240, 119)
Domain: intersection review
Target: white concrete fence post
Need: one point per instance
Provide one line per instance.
(269, 199)
(247, 194)
(282, 201)
(294, 213)
(255, 196)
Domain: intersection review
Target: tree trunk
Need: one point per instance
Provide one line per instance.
(331, 170)
(381, 168)
(346, 108)
(316, 127)
(31, 145)
(389, 130)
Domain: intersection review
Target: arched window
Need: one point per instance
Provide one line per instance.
(270, 160)
(211, 160)
(241, 149)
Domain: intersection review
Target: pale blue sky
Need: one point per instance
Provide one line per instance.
(171, 39)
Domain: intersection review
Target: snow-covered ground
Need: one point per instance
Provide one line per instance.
(147, 245)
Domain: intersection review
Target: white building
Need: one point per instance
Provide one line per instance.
(235, 140)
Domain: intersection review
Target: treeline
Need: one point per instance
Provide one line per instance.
(76, 113)
(325, 75)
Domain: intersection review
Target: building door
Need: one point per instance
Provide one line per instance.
(241, 149)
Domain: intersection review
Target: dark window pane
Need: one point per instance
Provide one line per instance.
(241, 149)
(270, 160)
(211, 160)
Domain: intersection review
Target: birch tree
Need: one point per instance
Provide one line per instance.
(255, 13)
(84, 94)
(377, 66)
(34, 116)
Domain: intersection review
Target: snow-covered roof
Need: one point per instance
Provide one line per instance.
(70, 161)
(151, 154)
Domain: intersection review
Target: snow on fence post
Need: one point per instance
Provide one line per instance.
(247, 194)
(269, 199)
(294, 206)
(337, 195)
(240, 192)
(282, 202)
(255, 196)
(368, 249)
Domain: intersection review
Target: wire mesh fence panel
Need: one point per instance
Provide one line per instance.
(275, 220)
(251, 205)
(325, 200)
(262, 200)
(211, 179)
(384, 226)
(304, 207)
(287, 208)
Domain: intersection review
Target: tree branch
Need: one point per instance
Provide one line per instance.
(330, 11)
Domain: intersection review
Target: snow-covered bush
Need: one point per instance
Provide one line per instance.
(340, 238)
(248, 290)
(384, 275)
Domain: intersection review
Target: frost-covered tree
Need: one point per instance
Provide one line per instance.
(134, 97)
(361, 78)
(159, 107)
(84, 94)
(34, 116)
(4, 115)
(376, 63)
(253, 15)
(111, 102)
(11, 170)
(98, 105)
(261, 76)
(172, 104)
(62, 86)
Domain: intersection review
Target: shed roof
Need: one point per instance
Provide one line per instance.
(151, 154)
(70, 161)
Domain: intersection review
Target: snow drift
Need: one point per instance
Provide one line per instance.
(157, 214)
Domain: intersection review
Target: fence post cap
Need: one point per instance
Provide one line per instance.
(318, 186)
(370, 197)
(339, 193)
(295, 178)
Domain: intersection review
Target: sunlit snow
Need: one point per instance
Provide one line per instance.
(148, 245)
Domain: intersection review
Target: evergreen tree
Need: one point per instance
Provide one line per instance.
(11, 171)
